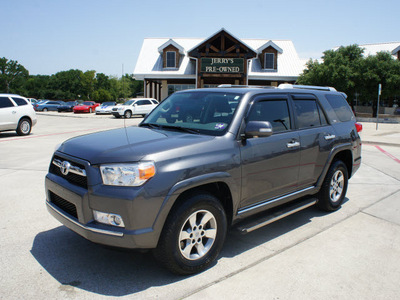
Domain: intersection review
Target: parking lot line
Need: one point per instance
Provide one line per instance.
(388, 154)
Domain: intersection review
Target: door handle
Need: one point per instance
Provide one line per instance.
(329, 137)
(293, 144)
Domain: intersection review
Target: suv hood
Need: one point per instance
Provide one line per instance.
(128, 144)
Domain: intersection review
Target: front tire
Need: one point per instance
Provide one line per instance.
(193, 235)
(334, 187)
(128, 114)
(24, 127)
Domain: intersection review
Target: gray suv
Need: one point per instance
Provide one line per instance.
(239, 159)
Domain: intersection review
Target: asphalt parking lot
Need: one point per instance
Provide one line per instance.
(353, 253)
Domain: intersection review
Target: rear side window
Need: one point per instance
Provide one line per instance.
(20, 101)
(274, 111)
(341, 107)
(5, 102)
(308, 114)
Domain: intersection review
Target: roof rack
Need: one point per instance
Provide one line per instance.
(306, 87)
(244, 86)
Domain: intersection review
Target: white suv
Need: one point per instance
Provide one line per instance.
(16, 113)
(135, 106)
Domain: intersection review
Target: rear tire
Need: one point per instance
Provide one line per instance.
(45, 109)
(334, 187)
(193, 235)
(24, 127)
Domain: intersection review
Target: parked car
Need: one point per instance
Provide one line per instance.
(32, 100)
(251, 157)
(16, 113)
(105, 108)
(67, 106)
(136, 106)
(86, 107)
(48, 105)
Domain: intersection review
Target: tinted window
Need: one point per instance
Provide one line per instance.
(340, 106)
(322, 116)
(269, 61)
(171, 59)
(307, 113)
(143, 102)
(274, 111)
(20, 101)
(154, 102)
(5, 102)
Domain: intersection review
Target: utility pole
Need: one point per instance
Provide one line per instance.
(377, 108)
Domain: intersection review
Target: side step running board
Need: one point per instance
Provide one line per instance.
(253, 224)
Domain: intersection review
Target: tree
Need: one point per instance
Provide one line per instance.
(339, 69)
(349, 71)
(10, 70)
(88, 83)
(380, 69)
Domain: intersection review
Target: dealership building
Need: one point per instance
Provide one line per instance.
(167, 65)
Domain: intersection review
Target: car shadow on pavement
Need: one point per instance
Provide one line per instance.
(76, 262)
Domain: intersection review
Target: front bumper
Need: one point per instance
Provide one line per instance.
(117, 113)
(138, 233)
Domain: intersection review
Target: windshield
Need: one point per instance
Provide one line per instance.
(108, 103)
(87, 103)
(204, 112)
(129, 102)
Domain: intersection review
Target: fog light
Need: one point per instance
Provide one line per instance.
(108, 218)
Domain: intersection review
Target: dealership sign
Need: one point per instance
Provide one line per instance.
(222, 65)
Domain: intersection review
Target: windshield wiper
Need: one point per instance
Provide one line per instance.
(159, 126)
(185, 129)
(151, 125)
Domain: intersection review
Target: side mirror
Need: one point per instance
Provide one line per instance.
(258, 129)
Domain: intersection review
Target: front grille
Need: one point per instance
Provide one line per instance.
(70, 177)
(63, 204)
(115, 109)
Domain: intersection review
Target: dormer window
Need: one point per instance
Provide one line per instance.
(171, 59)
(269, 59)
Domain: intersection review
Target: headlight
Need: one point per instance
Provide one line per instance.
(120, 108)
(127, 174)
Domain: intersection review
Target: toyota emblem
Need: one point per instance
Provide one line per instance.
(65, 167)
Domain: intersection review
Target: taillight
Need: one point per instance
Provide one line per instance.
(358, 127)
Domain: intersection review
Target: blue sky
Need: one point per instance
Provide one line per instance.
(49, 36)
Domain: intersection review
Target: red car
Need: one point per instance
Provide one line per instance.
(86, 107)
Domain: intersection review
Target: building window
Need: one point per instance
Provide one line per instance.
(269, 60)
(171, 59)
(172, 88)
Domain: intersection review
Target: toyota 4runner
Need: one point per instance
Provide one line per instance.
(240, 157)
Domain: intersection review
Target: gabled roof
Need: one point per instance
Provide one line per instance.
(173, 43)
(394, 52)
(269, 44)
(226, 32)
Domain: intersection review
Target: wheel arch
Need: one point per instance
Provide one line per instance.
(219, 185)
(24, 117)
(342, 153)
